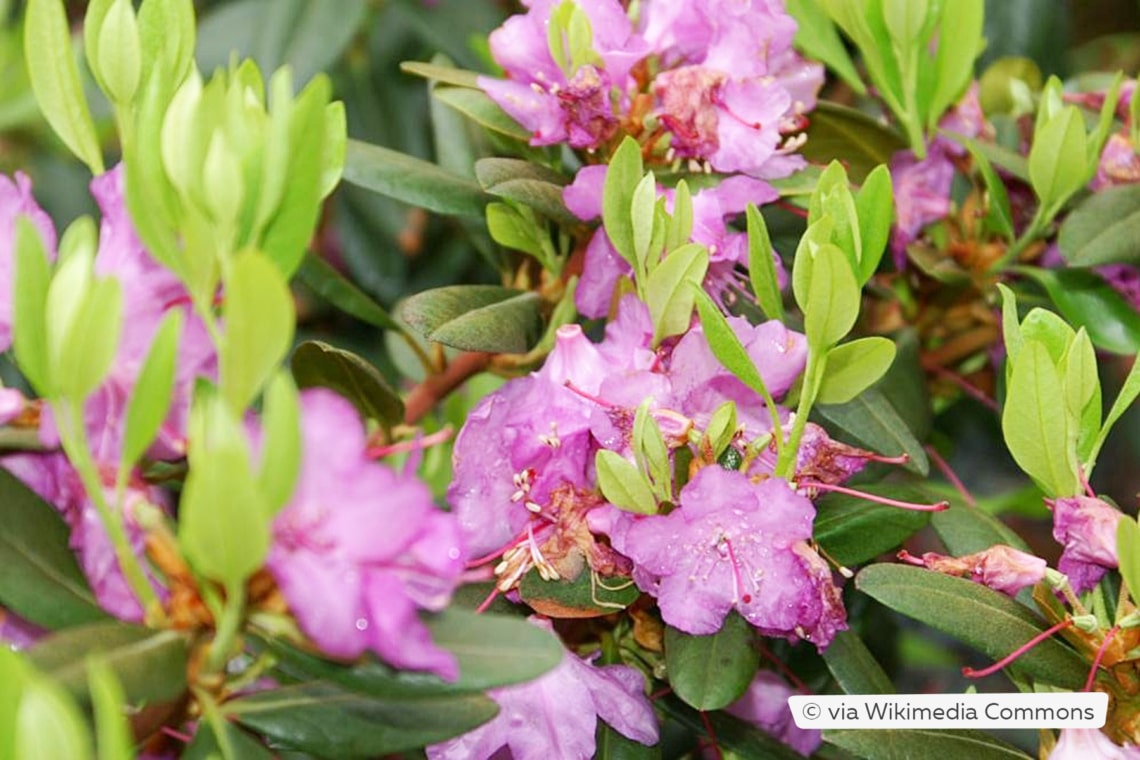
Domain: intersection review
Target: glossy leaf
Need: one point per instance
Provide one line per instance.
(478, 107)
(40, 579)
(853, 530)
(327, 720)
(150, 398)
(861, 142)
(55, 79)
(338, 290)
(1086, 300)
(588, 595)
(412, 180)
(984, 619)
(1104, 228)
(871, 421)
(854, 667)
(712, 672)
(150, 666)
(1038, 437)
(902, 744)
(476, 317)
(854, 367)
(317, 364)
(623, 485)
(670, 289)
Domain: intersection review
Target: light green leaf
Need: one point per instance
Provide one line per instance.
(1010, 323)
(113, 734)
(817, 37)
(832, 297)
(442, 74)
(761, 265)
(998, 212)
(48, 723)
(1082, 391)
(150, 398)
(853, 367)
(1057, 160)
(258, 316)
(1128, 552)
(670, 289)
(651, 453)
(1128, 393)
(641, 213)
(719, 432)
(281, 443)
(958, 45)
(91, 340)
(167, 35)
(1104, 228)
(726, 346)
(623, 484)
(55, 79)
(509, 229)
(92, 27)
(29, 323)
(1037, 436)
(875, 205)
(477, 106)
(622, 177)
(119, 56)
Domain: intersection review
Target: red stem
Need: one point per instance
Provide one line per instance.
(1008, 659)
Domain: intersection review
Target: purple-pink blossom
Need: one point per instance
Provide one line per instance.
(736, 545)
(999, 567)
(765, 705)
(1085, 743)
(1086, 528)
(556, 715)
(360, 549)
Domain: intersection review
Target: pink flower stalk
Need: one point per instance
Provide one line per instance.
(765, 705)
(736, 545)
(557, 714)
(1085, 743)
(1086, 528)
(1000, 567)
(360, 549)
(15, 201)
(544, 95)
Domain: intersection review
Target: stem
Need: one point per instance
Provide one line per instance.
(74, 439)
(20, 439)
(1008, 659)
(428, 393)
(228, 626)
(1100, 656)
(786, 462)
(1032, 232)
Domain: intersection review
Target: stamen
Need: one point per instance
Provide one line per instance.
(1100, 656)
(589, 396)
(737, 583)
(935, 507)
(969, 672)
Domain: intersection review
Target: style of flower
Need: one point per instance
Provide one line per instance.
(765, 705)
(733, 544)
(1086, 528)
(556, 715)
(555, 100)
(1000, 567)
(360, 549)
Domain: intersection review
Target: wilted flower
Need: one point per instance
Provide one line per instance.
(1000, 567)
(765, 704)
(1086, 528)
(737, 545)
(1118, 165)
(556, 715)
(360, 549)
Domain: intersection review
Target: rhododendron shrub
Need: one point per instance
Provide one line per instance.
(572, 407)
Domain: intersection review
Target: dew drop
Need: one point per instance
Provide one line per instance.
(361, 624)
(453, 553)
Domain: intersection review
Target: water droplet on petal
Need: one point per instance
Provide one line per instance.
(361, 624)
(453, 553)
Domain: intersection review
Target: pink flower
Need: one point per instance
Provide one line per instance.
(557, 714)
(15, 201)
(765, 705)
(1086, 528)
(1119, 164)
(735, 545)
(1085, 743)
(360, 549)
(1000, 567)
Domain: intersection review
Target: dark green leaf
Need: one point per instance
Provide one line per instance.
(308, 35)
(494, 650)
(329, 721)
(903, 744)
(39, 577)
(854, 667)
(342, 293)
(742, 739)
(442, 74)
(317, 364)
(412, 180)
(964, 529)
(478, 107)
(476, 317)
(1036, 29)
(234, 745)
(611, 745)
(712, 672)
(854, 530)
(588, 595)
(986, 620)
(1104, 229)
(861, 142)
(150, 665)
(871, 421)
